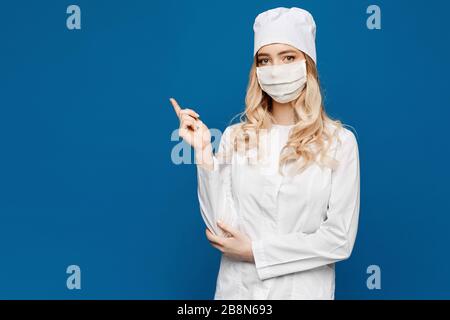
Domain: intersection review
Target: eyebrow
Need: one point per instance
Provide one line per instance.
(280, 53)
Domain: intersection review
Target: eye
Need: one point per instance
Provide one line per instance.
(263, 61)
(290, 58)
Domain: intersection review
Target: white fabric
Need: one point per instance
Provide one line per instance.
(299, 225)
(283, 82)
(292, 26)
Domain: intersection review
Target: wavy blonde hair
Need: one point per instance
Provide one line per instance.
(309, 140)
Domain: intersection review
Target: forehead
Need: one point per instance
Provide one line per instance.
(274, 49)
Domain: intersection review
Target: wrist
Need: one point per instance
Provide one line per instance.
(204, 156)
(206, 148)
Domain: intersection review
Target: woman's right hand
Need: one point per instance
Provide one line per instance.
(192, 129)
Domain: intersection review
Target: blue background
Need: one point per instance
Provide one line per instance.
(86, 175)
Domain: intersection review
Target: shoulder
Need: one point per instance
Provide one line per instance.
(348, 144)
(232, 128)
(344, 140)
(227, 134)
(345, 136)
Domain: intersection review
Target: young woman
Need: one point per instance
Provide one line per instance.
(281, 196)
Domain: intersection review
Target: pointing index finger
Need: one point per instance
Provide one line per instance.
(176, 106)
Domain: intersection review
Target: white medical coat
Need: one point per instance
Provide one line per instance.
(299, 225)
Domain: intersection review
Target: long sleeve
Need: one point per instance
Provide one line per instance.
(214, 188)
(277, 255)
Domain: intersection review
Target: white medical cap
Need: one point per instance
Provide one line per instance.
(294, 26)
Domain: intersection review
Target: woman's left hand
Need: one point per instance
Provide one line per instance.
(237, 245)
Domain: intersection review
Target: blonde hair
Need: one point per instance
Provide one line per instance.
(310, 129)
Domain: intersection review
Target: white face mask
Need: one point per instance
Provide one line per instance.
(284, 82)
